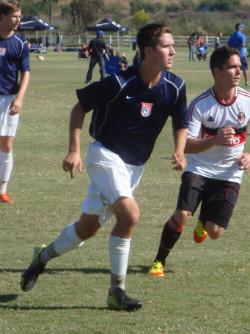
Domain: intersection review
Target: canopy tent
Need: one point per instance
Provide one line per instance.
(34, 23)
(108, 25)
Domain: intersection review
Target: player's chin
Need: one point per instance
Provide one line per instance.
(169, 65)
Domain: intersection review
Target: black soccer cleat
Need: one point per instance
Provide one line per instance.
(30, 275)
(120, 301)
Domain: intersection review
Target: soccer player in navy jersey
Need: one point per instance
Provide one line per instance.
(14, 59)
(215, 157)
(129, 111)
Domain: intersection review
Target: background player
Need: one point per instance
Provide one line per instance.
(216, 161)
(14, 58)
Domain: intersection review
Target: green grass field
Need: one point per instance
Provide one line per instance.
(207, 288)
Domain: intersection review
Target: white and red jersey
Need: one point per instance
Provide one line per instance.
(207, 116)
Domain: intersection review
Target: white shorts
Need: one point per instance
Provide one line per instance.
(110, 179)
(8, 123)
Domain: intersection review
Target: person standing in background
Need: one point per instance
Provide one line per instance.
(238, 41)
(191, 46)
(97, 51)
(14, 59)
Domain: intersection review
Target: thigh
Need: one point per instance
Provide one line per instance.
(219, 203)
(191, 192)
(111, 179)
(8, 123)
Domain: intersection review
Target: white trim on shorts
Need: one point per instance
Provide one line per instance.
(111, 179)
(8, 123)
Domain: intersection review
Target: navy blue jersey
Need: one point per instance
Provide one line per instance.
(128, 116)
(14, 57)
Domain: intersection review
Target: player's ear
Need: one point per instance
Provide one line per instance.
(148, 51)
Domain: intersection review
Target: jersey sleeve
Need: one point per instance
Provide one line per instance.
(180, 117)
(98, 93)
(25, 59)
(195, 121)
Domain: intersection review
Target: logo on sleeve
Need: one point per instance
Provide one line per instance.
(146, 109)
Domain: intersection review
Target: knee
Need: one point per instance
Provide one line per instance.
(129, 212)
(181, 217)
(87, 226)
(6, 144)
(214, 231)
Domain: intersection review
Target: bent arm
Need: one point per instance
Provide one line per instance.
(197, 145)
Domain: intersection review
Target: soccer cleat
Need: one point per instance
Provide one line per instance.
(157, 269)
(30, 275)
(118, 300)
(5, 198)
(200, 234)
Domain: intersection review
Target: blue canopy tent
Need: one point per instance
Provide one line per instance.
(35, 24)
(108, 25)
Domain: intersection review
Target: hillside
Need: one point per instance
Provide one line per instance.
(182, 21)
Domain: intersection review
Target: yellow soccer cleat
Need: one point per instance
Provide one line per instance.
(200, 234)
(157, 269)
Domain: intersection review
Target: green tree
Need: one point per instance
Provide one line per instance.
(141, 18)
(84, 12)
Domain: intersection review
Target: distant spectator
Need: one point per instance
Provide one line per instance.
(217, 40)
(83, 51)
(97, 51)
(59, 41)
(47, 41)
(201, 48)
(109, 51)
(191, 46)
(238, 41)
(123, 64)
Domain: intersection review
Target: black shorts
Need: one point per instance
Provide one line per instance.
(217, 198)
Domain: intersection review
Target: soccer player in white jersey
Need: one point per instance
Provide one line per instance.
(215, 157)
(130, 110)
(14, 59)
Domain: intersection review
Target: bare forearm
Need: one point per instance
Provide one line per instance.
(75, 127)
(23, 85)
(180, 137)
(195, 145)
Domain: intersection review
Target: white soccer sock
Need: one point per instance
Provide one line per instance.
(6, 164)
(119, 254)
(67, 240)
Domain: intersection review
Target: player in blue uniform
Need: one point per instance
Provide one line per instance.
(14, 58)
(129, 111)
(238, 41)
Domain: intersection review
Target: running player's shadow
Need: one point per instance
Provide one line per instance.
(8, 298)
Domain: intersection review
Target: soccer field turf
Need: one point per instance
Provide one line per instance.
(206, 290)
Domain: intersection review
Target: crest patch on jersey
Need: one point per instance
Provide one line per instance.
(146, 109)
(2, 51)
(241, 117)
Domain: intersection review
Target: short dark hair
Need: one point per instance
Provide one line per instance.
(220, 56)
(149, 35)
(8, 7)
